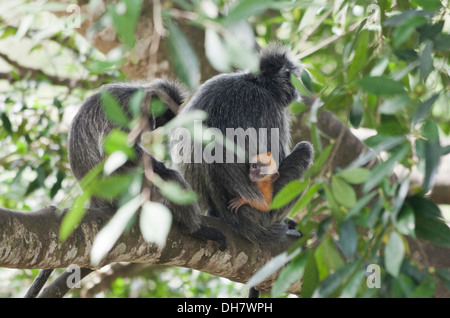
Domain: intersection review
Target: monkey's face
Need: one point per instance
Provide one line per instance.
(262, 167)
(260, 172)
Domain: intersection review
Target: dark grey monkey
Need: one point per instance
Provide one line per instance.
(247, 100)
(91, 125)
(85, 151)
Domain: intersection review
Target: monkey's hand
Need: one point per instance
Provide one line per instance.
(235, 204)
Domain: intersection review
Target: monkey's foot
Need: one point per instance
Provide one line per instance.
(234, 205)
(212, 234)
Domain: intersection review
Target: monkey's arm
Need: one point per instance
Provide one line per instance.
(293, 166)
(235, 204)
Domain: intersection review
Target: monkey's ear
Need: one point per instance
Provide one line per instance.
(275, 176)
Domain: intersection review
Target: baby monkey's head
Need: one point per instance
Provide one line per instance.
(263, 168)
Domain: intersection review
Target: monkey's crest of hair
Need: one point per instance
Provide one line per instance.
(277, 60)
(276, 65)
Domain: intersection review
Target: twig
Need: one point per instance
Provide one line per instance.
(330, 40)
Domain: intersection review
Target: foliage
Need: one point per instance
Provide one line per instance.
(379, 65)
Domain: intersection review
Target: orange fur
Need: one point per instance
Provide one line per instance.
(265, 185)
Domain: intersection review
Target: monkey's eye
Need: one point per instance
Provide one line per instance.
(254, 166)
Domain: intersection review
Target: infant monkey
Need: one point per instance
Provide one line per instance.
(263, 172)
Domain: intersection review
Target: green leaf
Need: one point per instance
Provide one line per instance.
(356, 112)
(290, 274)
(175, 192)
(403, 32)
(117, 140)
(429, 4)
(385, 145)
(271, 267)
(155, 222)
(342, 191)
(430, 31)
(406, 54)
(353, 284)
(109, 188)
(297, 107)
(394, 253)
(110, 233)
(395, 105)
(426, 61)
(327, 258)
(216, 51)
(306, 80)
(305, 199)
(288, 193)
(183, 57)
(338, 214)
(354, 175)
(310, 276)
(359, 205)
(442, 43)
(99, 67)
(319, 162)
(57, 185)
(431, 228)
(116, 160)
(403, 286)
(405, 15)
(405, 222)
(347, 238)
(241, 10)
(112, 109)
(381, 85)
(333, 281)
(74, 216)
(125, 15)
(6, 123)
(384, 168)
(359, 61)
(241, 55)
(136, 101)
(157, 107)
(299, 86)
(426, 289)
(444, 276)
(424, 109)
(432, 159)
(186, 120)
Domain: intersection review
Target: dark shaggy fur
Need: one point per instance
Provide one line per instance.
(90, 126)
(247, 100)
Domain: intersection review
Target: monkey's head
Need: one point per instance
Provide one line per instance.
(276, 66)
(245, 99)
(263, 168)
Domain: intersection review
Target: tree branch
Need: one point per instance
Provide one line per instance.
(24, 72)
(30, 240)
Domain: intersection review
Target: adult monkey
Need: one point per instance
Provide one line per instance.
(85, 150)
(248, 101)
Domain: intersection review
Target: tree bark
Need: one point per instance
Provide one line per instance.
(30, 240)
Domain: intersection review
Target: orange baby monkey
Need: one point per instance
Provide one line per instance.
(264, 172)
